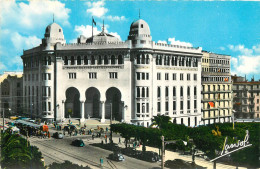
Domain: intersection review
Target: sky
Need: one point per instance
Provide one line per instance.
(224, 27)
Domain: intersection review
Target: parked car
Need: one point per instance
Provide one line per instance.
(58, 135)
(149, 156)
(78, 143)
(129, 151)
(116, 156)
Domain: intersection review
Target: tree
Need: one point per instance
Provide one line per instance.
(161, 121)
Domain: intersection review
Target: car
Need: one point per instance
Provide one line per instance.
(58, 135)
(78, 143)
(129, 151)
(116, 156)
(149, 156)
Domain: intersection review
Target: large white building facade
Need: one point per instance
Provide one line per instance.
(134, 79)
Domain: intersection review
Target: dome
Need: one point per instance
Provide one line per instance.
(139, 27)
(54, 31)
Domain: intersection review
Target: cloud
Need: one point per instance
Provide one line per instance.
(116, 18)
(241, 49)
(22, 42)
(222, 48)
(2, 66)
(247, 61)
(87, 31)
(32, 15)
(174, 42)
(97, 8)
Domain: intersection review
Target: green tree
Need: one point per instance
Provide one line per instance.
(161, 121)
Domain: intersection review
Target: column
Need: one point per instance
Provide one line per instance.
(63, 110)
(82, 112)
(123, 111)
(103, 112)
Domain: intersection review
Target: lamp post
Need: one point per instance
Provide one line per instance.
(111, 122)
(143, 111)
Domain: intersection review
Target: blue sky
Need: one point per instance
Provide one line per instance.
(223, 27)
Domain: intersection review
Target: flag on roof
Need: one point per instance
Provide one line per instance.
(94, 22)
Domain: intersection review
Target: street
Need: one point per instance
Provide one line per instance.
(59, 150)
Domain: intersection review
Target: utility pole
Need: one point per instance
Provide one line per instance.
(162, 152)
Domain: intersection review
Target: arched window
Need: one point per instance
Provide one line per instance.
(66, 60)
(157, 60)
(143, 92)
(147, 92)
(120, 59)
(44, 61)
(92, 60)
(138, 59)
(49, 60)
(113, 60)
(174, 91)
(158, 92)
(143, 59)
(99, 60)
(138, 92)
(78, 60)
(195, 91)
(105, 60)
(85, 60)
(188, 91)
(166, 91)
(147, 59)
(181, 91)
(72, 60)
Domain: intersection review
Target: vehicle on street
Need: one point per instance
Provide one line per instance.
(78, 143)
(58, 135)
(129, 151)
(116, 156)
(149, 156)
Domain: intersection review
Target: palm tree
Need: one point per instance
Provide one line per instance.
(160, 121)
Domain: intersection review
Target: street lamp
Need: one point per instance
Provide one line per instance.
(143, 111)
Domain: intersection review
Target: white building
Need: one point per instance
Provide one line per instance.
(138, 78)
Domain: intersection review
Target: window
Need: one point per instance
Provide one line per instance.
(147, 107)
(181, 120)
(92, 75)
(112, 75)
(138, 75)
(195, 90)
(66, 60)
(92, 60)
(174, 77)
(181, 76)
(99, 60)
(147, 92)
(166, 76)
(257, 100)
(105, 60)
(158, 76)
(188, 76)
(166, 106)
(72, 60)
(181, 108)
(158, 92)
(143, 92)
(142, 26)
(18, 85)
(174, 105)
(188, 91)
(138, 107)
(174, 91)
(147, 76)
(166, 91)
(195, 104)
(188, 121)
(25, 77)
(49, 60)
(158, 106)
(181, 91)
(195, 77)
(120, 59)
(78, 60)
(138, 92)
(143, 76)
(49, 106)
(72, 76)
(49, 76)
(188, 104)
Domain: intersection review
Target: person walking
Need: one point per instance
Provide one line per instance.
(119, 140)
(93, 136)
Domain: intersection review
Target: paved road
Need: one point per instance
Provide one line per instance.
(58, 150)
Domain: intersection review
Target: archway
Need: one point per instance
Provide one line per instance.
(113, 98)
(72, 103)
(93, 102)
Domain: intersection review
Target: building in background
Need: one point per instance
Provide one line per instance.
(246, 98)
(216, 88)
(134, 80)
(11, 93)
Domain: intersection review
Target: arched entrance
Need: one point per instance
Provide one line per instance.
(93, 102)
(72, 103)
(113, 99)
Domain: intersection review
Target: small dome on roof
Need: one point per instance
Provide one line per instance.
(54, 31)
(139, 27)
(102, 37)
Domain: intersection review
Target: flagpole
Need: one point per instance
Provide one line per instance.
(92, 27)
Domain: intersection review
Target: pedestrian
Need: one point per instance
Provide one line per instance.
(106, 140)
(49, 135)
(64, 132)
(93, 136)
(119, 140)
(85, 125)
(106, 129)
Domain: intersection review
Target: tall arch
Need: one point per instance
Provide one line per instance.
(72, 103)
(93, 102)
(114, 103)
